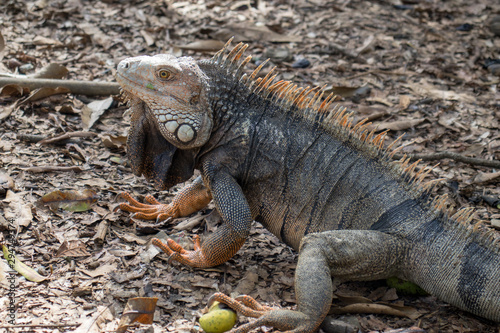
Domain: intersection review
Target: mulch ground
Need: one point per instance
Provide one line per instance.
(429, 69)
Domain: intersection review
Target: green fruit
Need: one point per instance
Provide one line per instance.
(218, 319)
(405, 287)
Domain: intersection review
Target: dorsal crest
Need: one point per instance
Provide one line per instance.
(310, 104)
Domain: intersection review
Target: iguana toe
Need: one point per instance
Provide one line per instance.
(176, 252)
(151, 210)
(151, 200)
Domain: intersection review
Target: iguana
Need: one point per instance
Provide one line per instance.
(283, 156)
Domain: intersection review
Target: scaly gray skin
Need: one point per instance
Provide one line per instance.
(269, 153)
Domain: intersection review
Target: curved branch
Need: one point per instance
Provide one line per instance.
(76, 87)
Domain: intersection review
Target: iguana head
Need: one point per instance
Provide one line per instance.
(173, 94)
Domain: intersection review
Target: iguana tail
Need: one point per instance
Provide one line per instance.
(457, 263)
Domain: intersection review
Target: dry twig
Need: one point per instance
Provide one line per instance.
(34, 138)
(453, 156)
(39, 325)
(53, 168)
(89, 88)
(66, 136)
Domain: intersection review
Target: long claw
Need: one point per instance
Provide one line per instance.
(239, 306)
(162, 217)
(170, 259)
(196, 241)
(152, 210)
(144, 216)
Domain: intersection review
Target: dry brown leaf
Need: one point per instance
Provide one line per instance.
(40, 169)
(7, 110)
(72, 248)
(360, 304)
(40, 40)
(12, 90)
(189, 223)
(97, 322)
(40, 4)
(130, 237)
(6, 182)
(397, 125)
(42, 93)
(96, 34)
(345, 91)
(202, 46)
(122, 253)
(376, 309)
(367, 45)
(2, 46)
(381, 100)
(484, 177)
(425, 89)
(6, 146)
(51, 71)
(404, 102)
(249, 32)
(14, 263)
(138, 309)
(125, 277)
(114, 141)
(18, 211)
(99, 271)
(150, 41)
(247, 283)
(92, 111)
(74, 201)
(352, 299)
(413, 329)
(200, 281)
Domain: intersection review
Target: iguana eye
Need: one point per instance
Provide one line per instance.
(164, 74)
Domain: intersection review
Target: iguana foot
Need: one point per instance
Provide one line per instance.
(284, 320)
(244, 304)
(150, 211)
(189, 200)
(176, 252)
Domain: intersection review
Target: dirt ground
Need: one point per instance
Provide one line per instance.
(430, 69)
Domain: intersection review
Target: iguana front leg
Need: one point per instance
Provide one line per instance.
(189, 200)
(228, 238)
(343, 254)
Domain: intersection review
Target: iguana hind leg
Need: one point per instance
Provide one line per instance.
(313, 286)
(291, 321)
(189, 200)
(346, 254)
